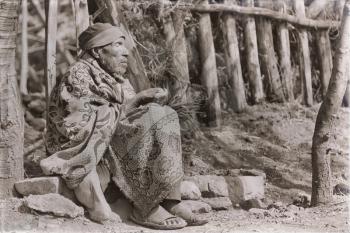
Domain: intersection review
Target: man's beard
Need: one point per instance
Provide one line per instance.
(112, 65)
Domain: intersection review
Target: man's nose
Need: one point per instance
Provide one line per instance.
(125, 52)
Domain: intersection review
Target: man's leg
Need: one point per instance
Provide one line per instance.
(90, 194)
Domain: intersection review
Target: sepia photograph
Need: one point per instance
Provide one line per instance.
(188, 116)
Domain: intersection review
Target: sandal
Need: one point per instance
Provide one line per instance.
(182, 211)
(167, 220)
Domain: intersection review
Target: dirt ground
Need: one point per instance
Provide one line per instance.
(272, 138)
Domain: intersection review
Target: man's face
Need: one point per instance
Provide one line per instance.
(114, 57)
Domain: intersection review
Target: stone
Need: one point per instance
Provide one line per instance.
(210, 185)
(53, 203)
(37, 186)
(253, 203)
(243, 188)
(44, 185)
(37, 106)
(197, 207)
(38, 124)
(341, 189)
(189, 191)
(218, 203)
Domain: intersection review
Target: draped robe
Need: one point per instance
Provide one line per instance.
(87, 125)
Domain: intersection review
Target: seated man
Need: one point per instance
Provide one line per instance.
(98, 128)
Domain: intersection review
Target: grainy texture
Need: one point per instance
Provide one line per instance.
(81, 14)
(251, 46)
(237, 97)
(209, 76)
(322, 142)
(11, 115)
(24, 48)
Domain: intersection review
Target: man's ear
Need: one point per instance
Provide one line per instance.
(95, 53)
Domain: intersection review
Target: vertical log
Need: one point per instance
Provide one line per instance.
(209, 76)
(11, 113)
(324, 135)
(136, 69)
(175, 40)
(237, 99)
(24, 49)
(81, 15)
(50, 46)
(304, 55)
(346, 98)
(60, 46)
(284, 53)
(268, 61)
(324, 52)
(253, 64)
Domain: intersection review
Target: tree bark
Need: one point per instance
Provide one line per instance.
(251, 46)
(237, 99)
(324, 135)
(268, 61)
(304, 56)
(324, 52)
(284, 54)
(113, 15)
(209, 76)
(11, 114)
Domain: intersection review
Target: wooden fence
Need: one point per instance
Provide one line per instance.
(268, 57)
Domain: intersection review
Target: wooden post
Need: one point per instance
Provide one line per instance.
(60, 46)
(136, 69)
(268, 61)
(24, 49)
(253, 64)
(324, 52)
(209, 76)
(81, 15)
(175, 40)
(304, 56)
(50, 46)
(284, 54)
(237, 99)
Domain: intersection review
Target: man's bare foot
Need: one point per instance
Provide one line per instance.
(178, 209)
(159, 218)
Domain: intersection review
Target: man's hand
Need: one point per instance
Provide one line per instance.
(155, 95)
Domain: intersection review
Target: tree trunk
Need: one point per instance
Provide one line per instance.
(11, 114)
(251, 46)
(209, 76)
(237, 99)
(82, 17)
(284, 54)
(268, 61)
(324, 51)
(304, 56)
(324, 135)
(113, 15)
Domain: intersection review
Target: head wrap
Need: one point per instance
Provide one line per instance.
(99, 34)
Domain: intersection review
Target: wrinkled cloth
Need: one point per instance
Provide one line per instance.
(99, 34)
(87, 125)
